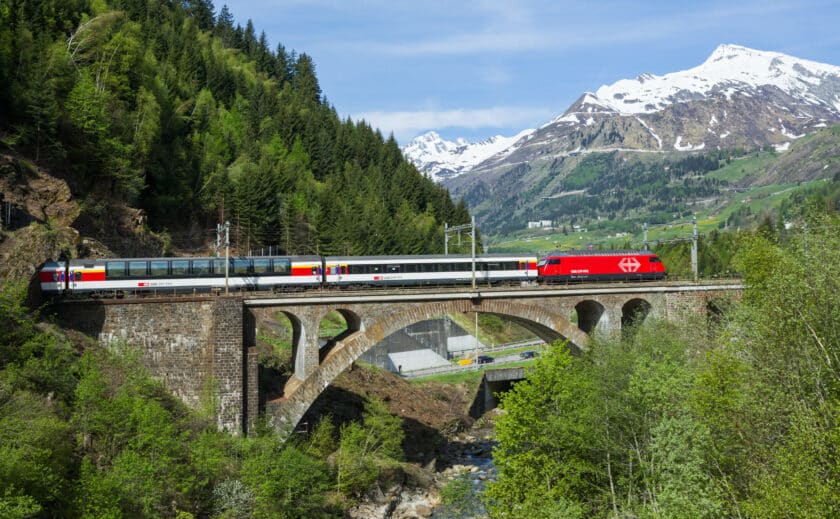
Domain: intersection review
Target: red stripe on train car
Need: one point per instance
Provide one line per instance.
(91, 275)
(304, 271)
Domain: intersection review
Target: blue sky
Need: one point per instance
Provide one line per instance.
(474, 69)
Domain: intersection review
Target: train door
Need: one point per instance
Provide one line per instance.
(655, 268)
(72, 281)
(339, 271)
(62, 277)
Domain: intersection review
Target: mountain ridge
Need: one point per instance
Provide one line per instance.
(670, 155)
(737, 98)
(440, 159)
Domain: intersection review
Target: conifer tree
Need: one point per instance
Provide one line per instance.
(305, 83)
(202, 12)
(224, 27)
(282, 65)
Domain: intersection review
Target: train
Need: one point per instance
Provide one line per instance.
(118, 276)
(589, 265)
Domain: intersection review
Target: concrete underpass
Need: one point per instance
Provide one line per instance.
(493, 382)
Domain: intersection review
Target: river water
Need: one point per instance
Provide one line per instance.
(472, 461)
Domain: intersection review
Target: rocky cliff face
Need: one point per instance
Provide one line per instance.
(47, 222)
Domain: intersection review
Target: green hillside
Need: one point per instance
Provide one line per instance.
(195, 120)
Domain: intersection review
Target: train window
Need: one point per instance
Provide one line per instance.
(262, 265)
(218, 266)
(201, 267)
(282, 266)
(159, 267)
(241, 266)
(115, 269)
(394, 269)
(180, 267)
(137, 268)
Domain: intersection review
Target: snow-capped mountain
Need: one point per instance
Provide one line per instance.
(441, 159)
(738, 97)
(730, 68)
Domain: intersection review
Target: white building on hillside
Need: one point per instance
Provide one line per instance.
(540, 224)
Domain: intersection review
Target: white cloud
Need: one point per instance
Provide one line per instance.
(506, 29)
(408, 124)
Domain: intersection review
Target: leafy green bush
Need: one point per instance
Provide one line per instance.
(365, 450)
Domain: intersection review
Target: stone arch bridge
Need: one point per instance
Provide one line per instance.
(195, 342)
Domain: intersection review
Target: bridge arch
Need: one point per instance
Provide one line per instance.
(300, 393)
(354, 324)
(589, 313)
(634, 312)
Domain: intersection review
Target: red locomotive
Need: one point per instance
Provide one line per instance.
(613, 265)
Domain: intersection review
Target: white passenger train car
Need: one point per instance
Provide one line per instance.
(429, 270)
(181, 274)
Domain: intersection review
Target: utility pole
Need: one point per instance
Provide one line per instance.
(227, 256)
(458, 228)
(447, 230)
(472, 229)
(694, 248)
(219, 229)
(445, 239)
(476, 339)
(805, 229)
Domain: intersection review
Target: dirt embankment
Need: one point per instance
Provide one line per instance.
(432, 412)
